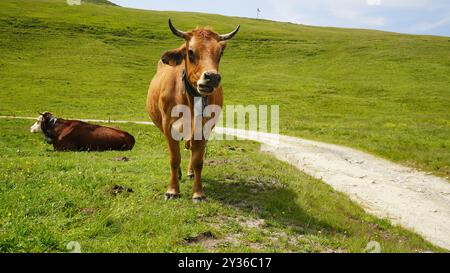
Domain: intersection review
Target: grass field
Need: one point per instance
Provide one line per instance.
(381, 92)
(385, 93)
(256, 204)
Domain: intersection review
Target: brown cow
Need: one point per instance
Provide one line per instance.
(189, 71)
(74, 135)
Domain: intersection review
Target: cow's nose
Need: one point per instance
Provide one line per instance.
(212, 78)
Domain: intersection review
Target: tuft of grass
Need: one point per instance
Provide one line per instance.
(256, 204)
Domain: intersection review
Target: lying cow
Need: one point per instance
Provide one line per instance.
(74, 135)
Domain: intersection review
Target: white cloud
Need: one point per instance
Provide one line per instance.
(351, 13)
(395, 15)
(427, 26)
(373, 2)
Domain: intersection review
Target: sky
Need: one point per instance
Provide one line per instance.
(405, 16)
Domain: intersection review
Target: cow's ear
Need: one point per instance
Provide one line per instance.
(174, 57)
(223, 44)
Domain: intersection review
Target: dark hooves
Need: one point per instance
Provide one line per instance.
(198, 200)
(190, 176)
(171, 196)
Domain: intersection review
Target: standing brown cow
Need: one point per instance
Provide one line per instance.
(183, 74)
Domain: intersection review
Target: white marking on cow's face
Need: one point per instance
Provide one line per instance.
(37, 126)
(208, 82)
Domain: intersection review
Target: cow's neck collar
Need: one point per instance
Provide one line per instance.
(48, 130)
(191, 90)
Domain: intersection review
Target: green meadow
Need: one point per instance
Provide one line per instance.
(256, 204)
(384, 93)
(380, 92)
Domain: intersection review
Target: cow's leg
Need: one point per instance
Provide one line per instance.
(190, 172)
(175, 161)
(197, 154)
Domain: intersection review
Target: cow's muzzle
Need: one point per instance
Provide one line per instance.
(209, 81)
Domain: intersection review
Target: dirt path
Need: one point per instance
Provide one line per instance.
(407, 197)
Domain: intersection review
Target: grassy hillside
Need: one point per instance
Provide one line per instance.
(385, 93)
(99, 2)
(381, 92)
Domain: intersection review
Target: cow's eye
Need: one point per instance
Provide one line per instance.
(191, 55)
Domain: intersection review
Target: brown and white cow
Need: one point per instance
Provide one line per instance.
(75, 135)
(183, 74)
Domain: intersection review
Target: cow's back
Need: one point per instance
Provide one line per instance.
(81, 136)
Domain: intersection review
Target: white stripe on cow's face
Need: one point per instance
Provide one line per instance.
(37, 126)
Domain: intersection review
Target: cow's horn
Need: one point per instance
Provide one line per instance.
(230, 35)
(177, 32)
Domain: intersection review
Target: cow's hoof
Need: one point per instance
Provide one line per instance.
(198, 200)
(171, 196)
(190, 176)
